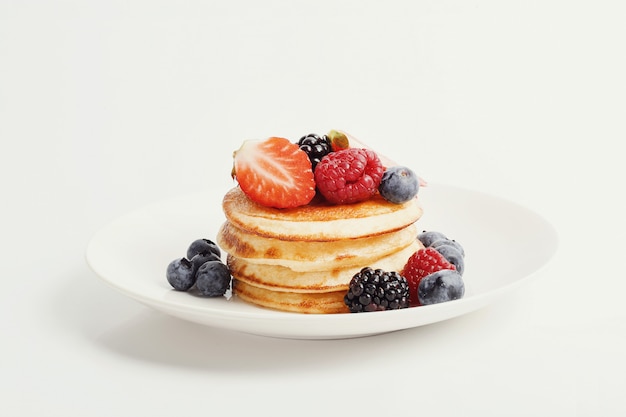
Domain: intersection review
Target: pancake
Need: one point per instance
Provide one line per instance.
(302, 259)
(320, 220)
(319, 303)
(281, 279)
(312, 256)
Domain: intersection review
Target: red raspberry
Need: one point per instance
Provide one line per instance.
(422, 263)
(349, 175)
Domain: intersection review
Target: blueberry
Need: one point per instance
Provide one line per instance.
(202, 245)
(213, 279)
(441, 286)
(449, 242)
(181, 274)
(453, 256)
(428, 238)
(202, 258)
(398, 185)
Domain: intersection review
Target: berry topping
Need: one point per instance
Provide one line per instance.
(450, 249)
(338, 140)
(205, 274)
(441, 286)
(213, 279)
(422, 263)
(377, 290)
(453, 256)
(202, 258)
(349, 176)
(428, 237)
(399, 184)
(181, 274)
(315, 146)
(274, 172)
(448, 242)
(202, 245)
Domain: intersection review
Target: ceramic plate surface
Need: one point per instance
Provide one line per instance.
(505, 245)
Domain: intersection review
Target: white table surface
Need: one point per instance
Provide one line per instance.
(108, 106)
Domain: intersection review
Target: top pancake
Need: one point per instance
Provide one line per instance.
(319, 220)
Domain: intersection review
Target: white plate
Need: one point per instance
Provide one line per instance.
(505, 244)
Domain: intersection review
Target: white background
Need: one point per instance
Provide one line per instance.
(108, 106)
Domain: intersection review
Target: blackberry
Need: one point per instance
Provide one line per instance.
(377, 290)
(315, 146)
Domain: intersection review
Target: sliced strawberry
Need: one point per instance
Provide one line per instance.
(274, 172)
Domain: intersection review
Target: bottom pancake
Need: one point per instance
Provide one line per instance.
(319, 303)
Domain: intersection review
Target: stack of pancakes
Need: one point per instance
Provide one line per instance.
(303, 259)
